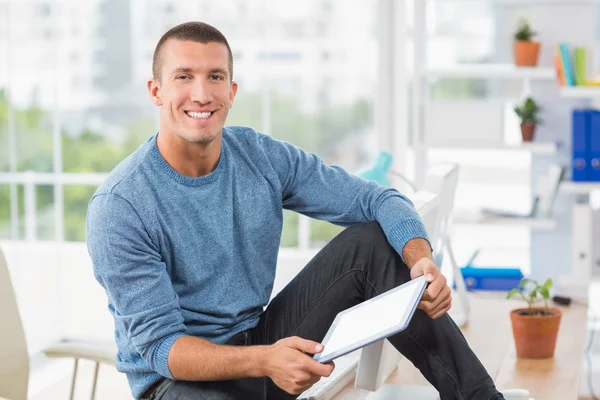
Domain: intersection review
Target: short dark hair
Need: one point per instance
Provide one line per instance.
(194, 31)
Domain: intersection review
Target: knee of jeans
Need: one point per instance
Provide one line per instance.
(369, 234)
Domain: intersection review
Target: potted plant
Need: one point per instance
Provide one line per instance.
(528, 113)
(526, 51)
(534, 328)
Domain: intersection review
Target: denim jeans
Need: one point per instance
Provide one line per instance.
(356, 265)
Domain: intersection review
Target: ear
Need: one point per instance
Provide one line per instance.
(232, 93)
(154, 91)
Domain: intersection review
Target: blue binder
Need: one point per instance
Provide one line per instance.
(479, 275)
(593, 161)
(488, 278)
(580, 132)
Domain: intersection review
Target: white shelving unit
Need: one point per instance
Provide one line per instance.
(424, 75)
(550, 249)
(548, 253)
(539, 224)
(539, 148)
(580, 92)
(579, 187)
(490, 71)
(476, 217)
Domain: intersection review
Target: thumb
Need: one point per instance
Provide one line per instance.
(429, 272)
(424, 267)
(307, 346)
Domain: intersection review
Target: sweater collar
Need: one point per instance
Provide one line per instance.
(164, 167)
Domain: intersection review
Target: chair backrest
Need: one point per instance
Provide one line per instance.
(442, 179)
(14, 357)
(379, 359)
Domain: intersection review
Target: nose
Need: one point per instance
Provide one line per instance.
(201, 92)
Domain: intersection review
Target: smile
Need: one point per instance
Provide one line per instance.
(199, 115)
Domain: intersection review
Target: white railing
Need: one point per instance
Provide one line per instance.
(48, 178)
(30, 179)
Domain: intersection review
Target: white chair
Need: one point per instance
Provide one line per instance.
(14, 357)
(443, 180)
(434, 204)
(379, 359)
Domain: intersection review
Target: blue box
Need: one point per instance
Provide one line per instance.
(484, 278)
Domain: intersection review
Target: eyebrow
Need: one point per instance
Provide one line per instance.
(188, 70)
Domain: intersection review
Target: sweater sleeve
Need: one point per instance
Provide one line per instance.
(329, 193)
(129, 267)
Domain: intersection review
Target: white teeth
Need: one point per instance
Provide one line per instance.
(202, 115)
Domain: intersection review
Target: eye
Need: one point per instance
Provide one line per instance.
(216, 77)
(182, 77)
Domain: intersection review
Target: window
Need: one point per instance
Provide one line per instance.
(97, 104)
(312, 115)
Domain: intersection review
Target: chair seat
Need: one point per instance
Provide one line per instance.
(103, 351)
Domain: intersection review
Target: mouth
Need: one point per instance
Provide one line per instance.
(199, 115)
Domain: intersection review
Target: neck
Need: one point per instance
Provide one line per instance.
(189, 159)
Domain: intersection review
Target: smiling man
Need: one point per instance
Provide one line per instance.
(184, 236)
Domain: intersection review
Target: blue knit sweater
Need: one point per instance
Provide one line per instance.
(196, 256)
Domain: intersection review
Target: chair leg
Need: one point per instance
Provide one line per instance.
(74, 379)
(95, 380)
(461, 287)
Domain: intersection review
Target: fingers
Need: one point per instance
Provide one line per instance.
(316, 368)
(438, 306)
(435, 288)
(305, 345)
(444, 293)
(435, 312)
(437, 281)
(309, 364)
(442, 309)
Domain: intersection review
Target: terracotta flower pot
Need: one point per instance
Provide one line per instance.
(527, 132)
(535, 335)
(526, 53)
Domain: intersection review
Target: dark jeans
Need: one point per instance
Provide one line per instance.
(356, 265)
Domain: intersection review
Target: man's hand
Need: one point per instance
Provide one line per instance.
(290, 368)
(437, 298)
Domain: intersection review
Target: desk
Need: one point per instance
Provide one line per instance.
(490, 335)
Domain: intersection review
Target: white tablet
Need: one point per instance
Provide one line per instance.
(372, 320)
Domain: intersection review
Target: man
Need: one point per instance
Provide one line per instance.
(184, 236)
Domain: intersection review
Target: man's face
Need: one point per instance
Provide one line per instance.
(195, 91)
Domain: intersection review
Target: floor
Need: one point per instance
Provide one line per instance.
(489, 335)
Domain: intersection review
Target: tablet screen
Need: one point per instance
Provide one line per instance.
(386, 312)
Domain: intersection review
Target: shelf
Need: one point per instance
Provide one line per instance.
(476, 217)
(541, 148)
(580, 92)
(534, 2)
(487, 71)
(579, 187)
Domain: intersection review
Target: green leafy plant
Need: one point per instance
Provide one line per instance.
(524, 32)
(528, 111)
(530, 290)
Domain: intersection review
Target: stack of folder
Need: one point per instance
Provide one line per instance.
(586, 145)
